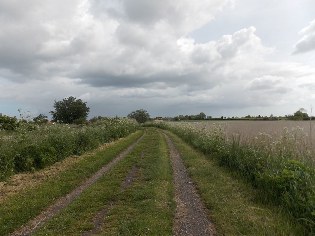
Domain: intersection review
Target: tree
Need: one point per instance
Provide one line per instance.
(140, 116)
(201, 116)
(8, 123)
(300, 114)
(70, 110)
(40, 119)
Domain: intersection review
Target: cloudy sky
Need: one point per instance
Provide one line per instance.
(222, 57)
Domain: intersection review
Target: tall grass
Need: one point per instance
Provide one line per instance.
(277, 167)
(33, 147)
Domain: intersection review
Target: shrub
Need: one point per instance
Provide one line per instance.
(6, 161)
(8, 123)
(84, 141)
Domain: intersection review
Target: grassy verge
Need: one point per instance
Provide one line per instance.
(145, 207)
(19, 209)
(233, 204)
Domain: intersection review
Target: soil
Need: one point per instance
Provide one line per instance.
(61, 203)
(129, 178)
(191, 216)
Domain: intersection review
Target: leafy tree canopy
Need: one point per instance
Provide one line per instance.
(300, 114)
(70, 110)
(140, 116)
(8, 123)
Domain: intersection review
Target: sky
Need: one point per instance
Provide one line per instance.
(220, 57)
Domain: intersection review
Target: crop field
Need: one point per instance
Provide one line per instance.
(250, 129)
(296, 138)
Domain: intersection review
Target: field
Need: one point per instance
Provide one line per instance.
(250, 129)
(297, 137)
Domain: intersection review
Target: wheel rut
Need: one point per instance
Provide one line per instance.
(64, 201)
(190, 215)
(98, 220)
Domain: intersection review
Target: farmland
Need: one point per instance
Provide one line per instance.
(252, 178)
(293, 137)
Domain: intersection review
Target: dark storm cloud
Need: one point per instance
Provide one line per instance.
(193, 80)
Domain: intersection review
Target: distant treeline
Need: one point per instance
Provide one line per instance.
(298, 115)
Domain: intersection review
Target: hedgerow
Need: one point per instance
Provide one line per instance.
(33, 147)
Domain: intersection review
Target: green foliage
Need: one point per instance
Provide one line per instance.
(299, 115)
(282, 180)
(85, 141)
(6, 160)
(40, 119)
(8, 123)
(70, 110)
(31, 157)
(32, 149)
(200, 116)
(140, 116)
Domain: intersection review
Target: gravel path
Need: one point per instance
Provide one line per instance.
(62, 202)
(190, 216)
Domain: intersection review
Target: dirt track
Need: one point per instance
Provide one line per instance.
(190, 216)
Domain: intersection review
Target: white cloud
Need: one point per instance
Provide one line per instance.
(307, 41)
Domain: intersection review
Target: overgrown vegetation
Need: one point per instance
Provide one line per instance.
(281, 178)
(8, 123)
(33, 146)
(28, 203)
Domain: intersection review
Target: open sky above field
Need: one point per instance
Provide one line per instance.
(221, 57)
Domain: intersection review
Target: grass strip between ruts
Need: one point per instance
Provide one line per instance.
(233, 204)
(145, 207)
(19, 209)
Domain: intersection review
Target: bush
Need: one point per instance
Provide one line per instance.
(41, 119)
(85, 141)
(8, 123)
(6, 161)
